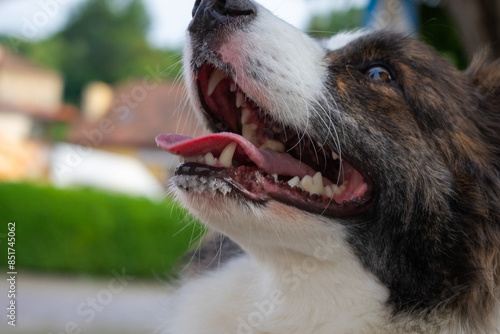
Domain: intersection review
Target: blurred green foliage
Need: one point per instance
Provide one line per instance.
(87, 231)
(436, 29)
(101, 42)
(327, 25)
(106, 42)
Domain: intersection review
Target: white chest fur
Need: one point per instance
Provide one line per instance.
(306, 297)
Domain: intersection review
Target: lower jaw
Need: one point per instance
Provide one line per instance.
(202, 178)
(248, 183)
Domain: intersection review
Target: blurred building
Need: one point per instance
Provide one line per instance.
(122, 122)
(30, 103)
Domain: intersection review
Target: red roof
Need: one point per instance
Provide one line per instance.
(11, 60)
(138, 115)
(65, 113)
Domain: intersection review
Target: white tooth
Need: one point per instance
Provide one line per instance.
(196, 158)
(307, 183)
(294, 182)
(215, 78)
(335, 156)
(318, 179)
(273, 145)
(240, 99)
(275, 176)
(245, 115)
(226, 157)
(340, 190)
(210, 159)
(328, 191)
(232, 87)
(318, 187)
(249, 131)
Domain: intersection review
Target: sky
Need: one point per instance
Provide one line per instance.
(37, 19)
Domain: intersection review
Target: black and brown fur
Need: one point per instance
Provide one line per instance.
(431, 141)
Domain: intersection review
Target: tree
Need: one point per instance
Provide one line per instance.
(104, 40)
(457, 28)
(106, 43)
(328, 24)
(437, 29)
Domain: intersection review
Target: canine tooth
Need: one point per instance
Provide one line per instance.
(245, 115)
(318, 179)
(226, 157)
(249, 131)
(210, 159)
(275, 176)
(335, 156)
(240, 99)
(273, 145)
(318, 187)
(294, 182)
(215, 78)
(232, 87)
(307, 183)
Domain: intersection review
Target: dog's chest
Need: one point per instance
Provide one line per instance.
(244, 298)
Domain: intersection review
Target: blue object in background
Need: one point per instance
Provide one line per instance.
(400, 15)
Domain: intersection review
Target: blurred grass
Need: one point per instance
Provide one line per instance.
(88, 231)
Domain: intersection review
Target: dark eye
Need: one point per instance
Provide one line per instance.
(379, 73)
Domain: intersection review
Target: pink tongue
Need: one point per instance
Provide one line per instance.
(269, 161)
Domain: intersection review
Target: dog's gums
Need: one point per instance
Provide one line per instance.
(261, 159)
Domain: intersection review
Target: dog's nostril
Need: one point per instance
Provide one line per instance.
(234, 7)
(220, 6)
(209, 14)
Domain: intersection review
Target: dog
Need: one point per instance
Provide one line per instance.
(355, 181)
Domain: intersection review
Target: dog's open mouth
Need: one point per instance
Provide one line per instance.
(259, 159)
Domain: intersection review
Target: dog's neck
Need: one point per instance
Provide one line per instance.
(338, 290)
(257, 292)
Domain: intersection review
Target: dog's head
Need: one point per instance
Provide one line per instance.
(368, 142)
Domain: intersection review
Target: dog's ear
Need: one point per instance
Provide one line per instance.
(485, 78)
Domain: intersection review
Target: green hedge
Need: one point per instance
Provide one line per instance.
(87, 231)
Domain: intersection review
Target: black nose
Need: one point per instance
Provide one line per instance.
(226, 7)
(208, 13)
